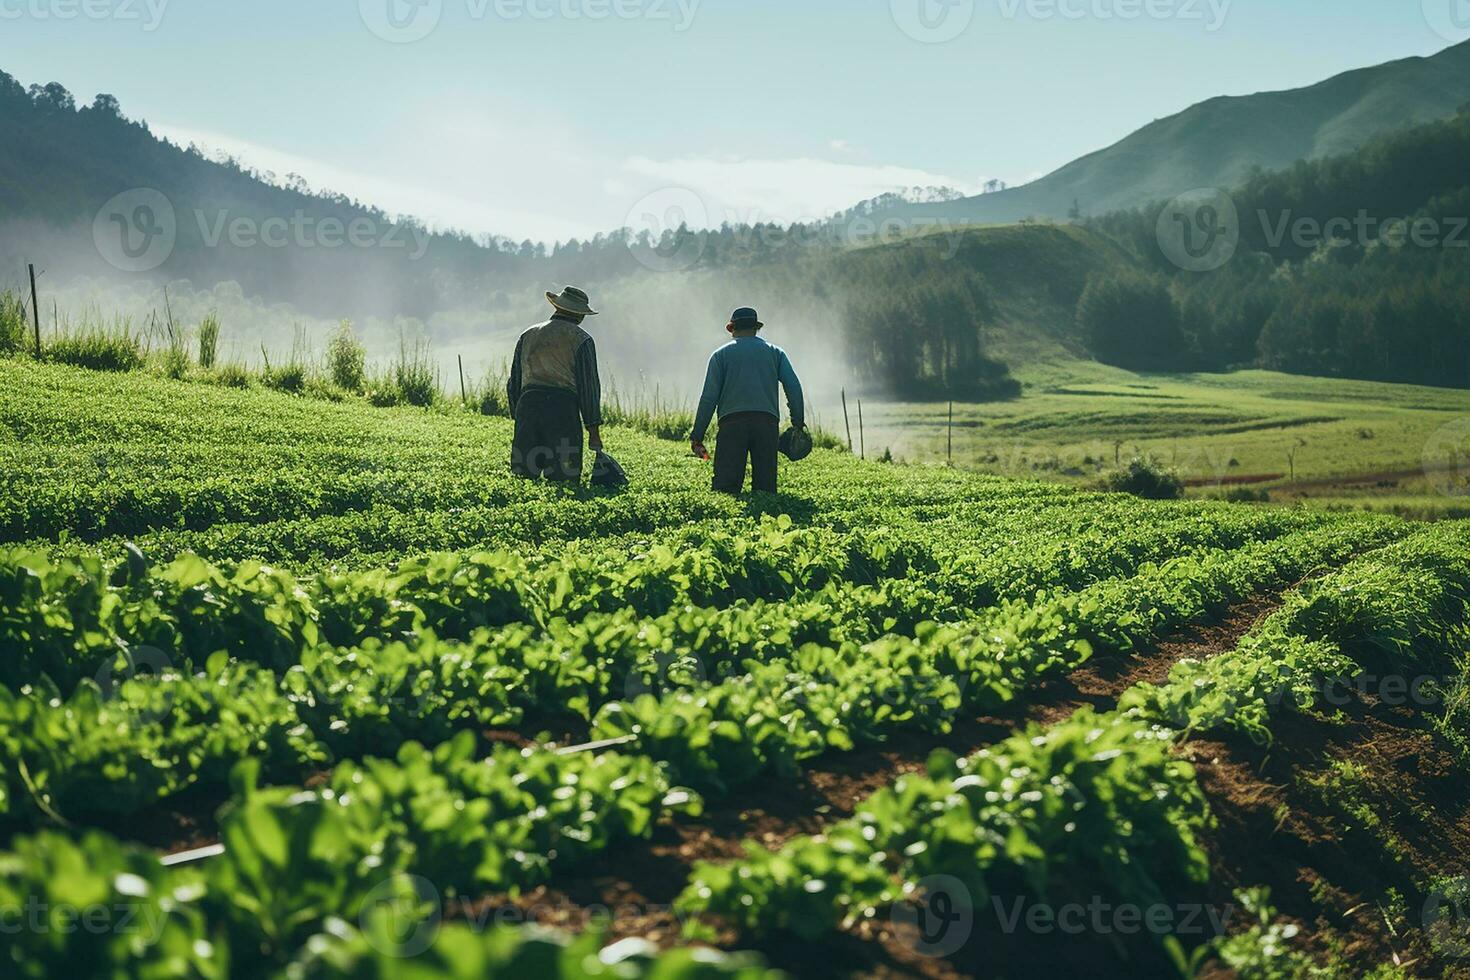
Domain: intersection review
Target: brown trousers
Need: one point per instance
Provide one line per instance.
(747, 435)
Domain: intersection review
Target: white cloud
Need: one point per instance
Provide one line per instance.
(437, 208)
(458, 173)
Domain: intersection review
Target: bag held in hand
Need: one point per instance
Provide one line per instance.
(796, 444)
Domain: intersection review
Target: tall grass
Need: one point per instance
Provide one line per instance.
(209, 341)
(290, 376)
(12, 323)
(415, 375)
(490, 396)
(98, 346)
(647, 410)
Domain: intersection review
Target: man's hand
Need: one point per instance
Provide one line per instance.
(697, 448)
(594, 438)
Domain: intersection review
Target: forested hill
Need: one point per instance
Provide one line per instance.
(67, 162)
(1220, 142)
(1356, 265)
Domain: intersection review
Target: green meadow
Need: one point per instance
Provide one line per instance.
(1325, 441)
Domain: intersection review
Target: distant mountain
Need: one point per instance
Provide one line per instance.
(1219, 143)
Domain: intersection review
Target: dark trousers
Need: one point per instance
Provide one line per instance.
(548, 439)
(747, 435)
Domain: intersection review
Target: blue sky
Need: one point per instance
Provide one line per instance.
(553, 118)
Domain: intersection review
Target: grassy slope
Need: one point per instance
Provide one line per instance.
(1216, 143)
(1199, 423)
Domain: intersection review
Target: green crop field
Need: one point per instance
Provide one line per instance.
(305, 689)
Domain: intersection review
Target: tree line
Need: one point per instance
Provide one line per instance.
(1354, 266)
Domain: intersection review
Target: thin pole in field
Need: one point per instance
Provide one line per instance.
(846, 420)
(862, 439)
(463, 395)
(949, 452)
(35, 309)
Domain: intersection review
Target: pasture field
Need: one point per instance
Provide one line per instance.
(1320, 440)
(300, 689)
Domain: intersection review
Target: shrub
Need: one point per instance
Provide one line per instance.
(233, 375)
(415, 376)
(322, 389)
(98, 348)
(291, 376)
(1146, 477)
(346, 359)
(208, 341)
(383, 392)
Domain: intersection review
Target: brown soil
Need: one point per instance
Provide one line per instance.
(630, 892)
(1327, 871)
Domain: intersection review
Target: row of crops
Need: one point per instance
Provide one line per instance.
(226, 631)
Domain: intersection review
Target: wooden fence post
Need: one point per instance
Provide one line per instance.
(35, 310)
(847, 421)
(463, 395)
(949, 450)
(862, 439)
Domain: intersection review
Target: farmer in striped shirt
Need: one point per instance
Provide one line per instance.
(555, 391)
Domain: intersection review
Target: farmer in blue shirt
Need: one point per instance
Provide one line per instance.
(742, 384)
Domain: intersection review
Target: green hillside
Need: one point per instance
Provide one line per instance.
(1219, 143)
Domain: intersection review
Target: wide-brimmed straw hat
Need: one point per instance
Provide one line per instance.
(572, 300)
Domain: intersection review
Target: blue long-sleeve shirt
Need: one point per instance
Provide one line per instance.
(743, 376)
